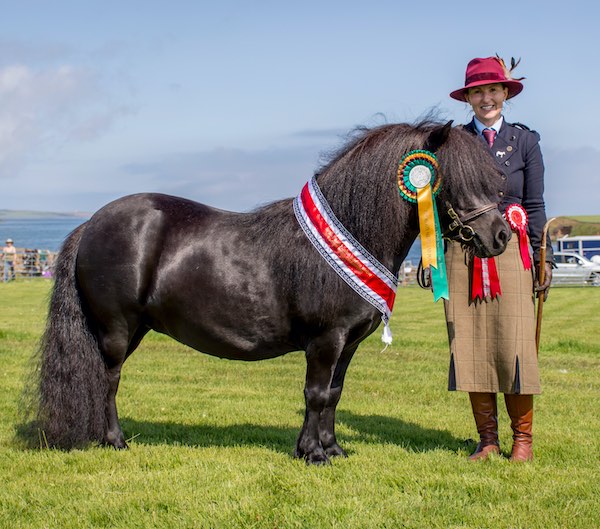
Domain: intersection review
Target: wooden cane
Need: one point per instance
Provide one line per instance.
(541, 278)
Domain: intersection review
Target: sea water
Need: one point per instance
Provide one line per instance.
(38, 233)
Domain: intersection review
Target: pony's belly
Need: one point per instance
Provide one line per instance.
(234, 347)
(240, 335)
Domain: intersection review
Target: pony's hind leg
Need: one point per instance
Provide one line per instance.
(116, 347)
(322, 355)
(114, 434)
(327, 420)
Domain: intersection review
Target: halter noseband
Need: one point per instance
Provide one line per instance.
(465, 232)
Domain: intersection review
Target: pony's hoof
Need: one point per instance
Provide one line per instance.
(336, 451)
(122, 445)
(317, 457)
(117, 442)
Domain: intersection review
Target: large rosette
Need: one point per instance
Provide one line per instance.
(419, 182)
(517, 218)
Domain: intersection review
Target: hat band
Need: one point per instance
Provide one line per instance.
(488, 76)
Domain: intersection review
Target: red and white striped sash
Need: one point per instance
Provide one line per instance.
(353, 263)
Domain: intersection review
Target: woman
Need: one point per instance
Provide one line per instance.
(490, 315)
(9, 255)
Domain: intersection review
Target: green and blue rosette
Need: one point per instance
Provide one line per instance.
(419, 182)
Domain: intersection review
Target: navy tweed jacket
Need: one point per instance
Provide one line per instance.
(517, 152)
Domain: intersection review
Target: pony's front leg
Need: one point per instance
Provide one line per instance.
(321, 357)
(327, 421)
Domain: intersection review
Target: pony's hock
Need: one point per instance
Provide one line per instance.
(202, 275)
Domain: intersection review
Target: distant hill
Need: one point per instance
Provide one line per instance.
(6, 214)
(575, 226)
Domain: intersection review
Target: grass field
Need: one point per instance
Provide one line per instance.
(211, 440)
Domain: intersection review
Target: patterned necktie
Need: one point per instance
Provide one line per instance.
(489, 135)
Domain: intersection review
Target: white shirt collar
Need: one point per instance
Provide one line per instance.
(480, 126)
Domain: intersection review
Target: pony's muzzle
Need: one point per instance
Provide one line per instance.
(502, 237)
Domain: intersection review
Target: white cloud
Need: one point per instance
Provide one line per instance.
(42, 108)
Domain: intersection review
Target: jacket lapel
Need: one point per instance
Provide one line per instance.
(505, 144)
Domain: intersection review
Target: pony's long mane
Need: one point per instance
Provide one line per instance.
(360, 183)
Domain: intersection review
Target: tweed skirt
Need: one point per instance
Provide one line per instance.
(492, 343)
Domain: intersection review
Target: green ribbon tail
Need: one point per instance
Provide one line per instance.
(439, 280)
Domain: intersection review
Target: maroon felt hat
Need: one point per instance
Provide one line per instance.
(488, 71)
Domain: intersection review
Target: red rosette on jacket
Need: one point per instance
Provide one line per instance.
(517, 218)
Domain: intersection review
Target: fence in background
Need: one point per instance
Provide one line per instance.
(31, 263)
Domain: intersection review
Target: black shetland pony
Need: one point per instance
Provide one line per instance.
(243, 286)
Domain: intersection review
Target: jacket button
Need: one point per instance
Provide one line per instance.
(506, 162)
(500, 193)
(503, 177)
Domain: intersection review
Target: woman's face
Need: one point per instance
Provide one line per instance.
(487, 101)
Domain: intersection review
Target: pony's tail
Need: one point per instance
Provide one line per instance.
(69, 399)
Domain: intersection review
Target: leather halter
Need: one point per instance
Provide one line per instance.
(465, 232)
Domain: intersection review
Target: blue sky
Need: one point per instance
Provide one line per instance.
(233, 103)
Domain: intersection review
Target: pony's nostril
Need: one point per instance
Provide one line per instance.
(503, 237)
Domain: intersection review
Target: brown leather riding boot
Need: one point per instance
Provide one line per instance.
(520, 410)
(485, 412)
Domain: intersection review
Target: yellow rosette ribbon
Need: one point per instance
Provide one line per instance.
(417, 182)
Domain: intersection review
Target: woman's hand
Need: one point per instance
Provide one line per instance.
(543, 289)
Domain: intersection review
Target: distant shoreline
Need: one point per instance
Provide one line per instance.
(9, 214)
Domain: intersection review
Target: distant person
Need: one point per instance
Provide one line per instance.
(490, 316)
(9, 256)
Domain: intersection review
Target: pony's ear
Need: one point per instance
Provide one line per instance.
(438, 136)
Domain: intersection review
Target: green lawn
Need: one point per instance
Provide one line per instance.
(211, 440)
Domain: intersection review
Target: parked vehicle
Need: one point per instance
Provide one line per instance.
(573, 269)
(585, 245)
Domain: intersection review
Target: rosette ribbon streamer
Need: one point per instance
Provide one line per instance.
(418, 183)
(485, 281)
(517, 218)
(353, 263)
